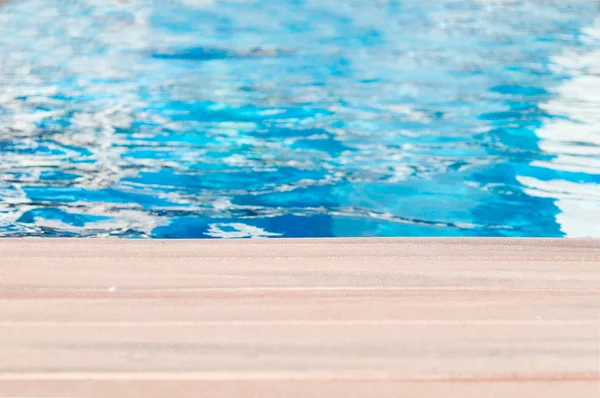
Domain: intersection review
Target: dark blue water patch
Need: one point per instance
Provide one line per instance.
(193, 54)
(154, 154)
(87, 160)
(294, 226)
(510, 205)
(520, 210)
(530, 117)
(327, 145)
(304, 226)
(549, 174)
(289, 226)
(203, 111)
(519, 90)
(310, 196)
(49, 213)
(209, 54)
(521, 142)
(56, 175)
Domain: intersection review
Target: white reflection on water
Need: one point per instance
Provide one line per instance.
(574, 141)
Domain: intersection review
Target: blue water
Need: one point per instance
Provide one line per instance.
(290, 118)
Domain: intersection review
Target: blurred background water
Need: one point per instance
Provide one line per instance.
(299, 118)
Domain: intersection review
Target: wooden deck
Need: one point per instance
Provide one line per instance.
(300, 318)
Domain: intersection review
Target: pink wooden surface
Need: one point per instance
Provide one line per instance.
(300, 318)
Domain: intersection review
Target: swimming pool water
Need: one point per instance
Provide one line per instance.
(289, 118)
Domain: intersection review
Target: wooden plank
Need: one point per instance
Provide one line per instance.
(317, 317)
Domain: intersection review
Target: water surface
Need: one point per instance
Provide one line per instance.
(281, 118)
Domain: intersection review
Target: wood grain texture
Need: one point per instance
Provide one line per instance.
(296, 318)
